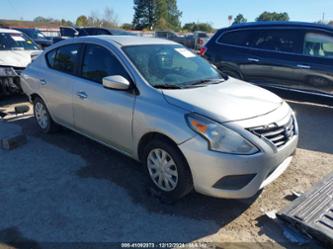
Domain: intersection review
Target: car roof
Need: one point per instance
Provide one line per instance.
(2, 30)
(127, 40)
(280, 24)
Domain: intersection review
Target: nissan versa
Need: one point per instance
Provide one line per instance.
(157, 102)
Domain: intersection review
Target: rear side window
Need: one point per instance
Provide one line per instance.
(98, 63)
(318, 45)
(64, 59)
(278, 40)
(274, 40)
(238, 38)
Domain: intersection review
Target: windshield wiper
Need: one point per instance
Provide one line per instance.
(167, 86)
(205, 82)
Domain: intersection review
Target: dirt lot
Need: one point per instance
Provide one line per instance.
(67, 188)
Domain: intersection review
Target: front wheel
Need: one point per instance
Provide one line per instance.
(168, 170)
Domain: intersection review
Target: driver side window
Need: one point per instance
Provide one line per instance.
(98, 62)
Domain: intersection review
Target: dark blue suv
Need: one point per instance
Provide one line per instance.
(280, 56)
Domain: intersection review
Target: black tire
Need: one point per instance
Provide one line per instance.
(185, 182)
(51, 126)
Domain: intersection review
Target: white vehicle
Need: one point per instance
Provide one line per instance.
(16, 52)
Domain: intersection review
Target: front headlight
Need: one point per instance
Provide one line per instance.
(7, 71)
(219, 137)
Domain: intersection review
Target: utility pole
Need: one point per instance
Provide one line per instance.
(323, 18)
(230, 19)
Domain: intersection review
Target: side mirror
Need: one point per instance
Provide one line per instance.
(117, 82)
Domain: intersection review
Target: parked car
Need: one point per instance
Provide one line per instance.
(36, 36)
(71, 32)
(172, 36)
(102, 31)
(16, 52)
(157, 102)
(291, 56)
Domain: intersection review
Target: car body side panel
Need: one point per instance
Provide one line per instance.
(154, 114)
(105, 114)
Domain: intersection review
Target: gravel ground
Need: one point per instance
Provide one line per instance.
(67, 188)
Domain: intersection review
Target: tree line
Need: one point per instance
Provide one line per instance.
(156, 15)
(265, 16)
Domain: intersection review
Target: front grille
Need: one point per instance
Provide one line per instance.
(277, 135)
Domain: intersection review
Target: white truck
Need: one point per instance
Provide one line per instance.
(16, 52)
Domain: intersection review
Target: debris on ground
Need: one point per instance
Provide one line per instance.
(312, 212)
(11, 136)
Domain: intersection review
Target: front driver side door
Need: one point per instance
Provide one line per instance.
(100, 113)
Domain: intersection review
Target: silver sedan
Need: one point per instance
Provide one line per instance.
(191, 126)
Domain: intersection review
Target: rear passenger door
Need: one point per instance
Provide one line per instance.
(58, 80)
(274, 57)
(103, 114)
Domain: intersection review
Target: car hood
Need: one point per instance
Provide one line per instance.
(17, 58)
(231, 100)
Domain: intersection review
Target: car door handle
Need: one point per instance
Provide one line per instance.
(43, 82)
(253, 59)
(303, 66)
(82, 95)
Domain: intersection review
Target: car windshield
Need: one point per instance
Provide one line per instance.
(34, 34)
(16, 41)
(172, 66)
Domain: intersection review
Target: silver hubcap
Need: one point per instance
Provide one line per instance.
(162, 169)
(41, 115)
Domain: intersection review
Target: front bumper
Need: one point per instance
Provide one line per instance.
(10, 80)
(209, 167)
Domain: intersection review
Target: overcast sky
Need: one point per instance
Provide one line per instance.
(215, 12)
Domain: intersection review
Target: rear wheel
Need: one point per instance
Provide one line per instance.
(42, 117)
(168, 170)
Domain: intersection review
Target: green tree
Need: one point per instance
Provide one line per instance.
(239, 19)
(330, 23)
(144, 14)
(127, 26)
(273, 16)
(156, 14)
(64, 22)
(204, 27)
(173, 15)
(192, 27)
(82, 21)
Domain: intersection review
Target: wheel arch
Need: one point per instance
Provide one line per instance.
(36, 95)
(231, 68)
(148, 137)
